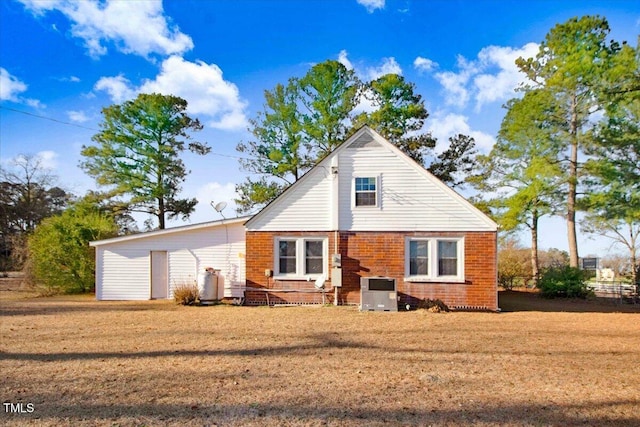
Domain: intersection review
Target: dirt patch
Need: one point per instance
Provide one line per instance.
(82, 362)
(13, 286)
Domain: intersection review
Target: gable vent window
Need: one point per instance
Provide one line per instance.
(366, 191)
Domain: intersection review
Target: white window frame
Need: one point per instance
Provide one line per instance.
(300, 273)
(377, 192)
(432, 254)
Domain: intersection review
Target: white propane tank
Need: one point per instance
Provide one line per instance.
(208, 286)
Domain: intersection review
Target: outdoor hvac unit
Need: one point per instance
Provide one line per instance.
(378, 294)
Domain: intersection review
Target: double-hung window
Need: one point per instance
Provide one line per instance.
(287, 256)
(300, 257)
(447, 257)
(366, 191)
(434, 259)
(313, 257)
(419, 258)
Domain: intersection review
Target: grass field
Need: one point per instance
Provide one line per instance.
(82, 362)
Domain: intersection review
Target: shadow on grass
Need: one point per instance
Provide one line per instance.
(56, 305)
(325, 343)
(513, 301)
(508, 301)
(319, 413)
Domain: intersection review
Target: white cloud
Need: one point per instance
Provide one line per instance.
(205, 194)
(204, 88)
(138, 27)
(455, 84)
(372, 5)
(48, 159)
(424, 64)
(501, 85)
(493, 76)
(389, 66)
(342, 58)
(200, 84)
(365, 103)
(11, 87)
(445, 125)
(118, 88)
(70, 79)
(216, 192)
(77, 116)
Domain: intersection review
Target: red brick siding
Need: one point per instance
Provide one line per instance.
(260, 257)
(378, 254)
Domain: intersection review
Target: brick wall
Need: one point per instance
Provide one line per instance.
(378, 254)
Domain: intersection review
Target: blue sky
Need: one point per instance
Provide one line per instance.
(66, 60)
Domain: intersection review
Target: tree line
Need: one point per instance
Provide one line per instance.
(569, 142)
(307, 118)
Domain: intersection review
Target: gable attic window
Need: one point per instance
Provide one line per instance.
(433, 259)
(300, 257)
(366, 193)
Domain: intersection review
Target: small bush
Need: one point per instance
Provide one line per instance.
(434, 306)
(566, 282)
(186, 294)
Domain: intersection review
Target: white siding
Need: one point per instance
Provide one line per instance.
(304, 207)
(125, 274)
(409, 199)
(123, 267)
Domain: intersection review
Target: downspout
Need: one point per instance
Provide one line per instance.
(336, 235)
(335, 220)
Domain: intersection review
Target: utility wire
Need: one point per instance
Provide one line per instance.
(26, 113)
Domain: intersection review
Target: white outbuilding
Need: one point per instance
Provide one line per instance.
(150, 265)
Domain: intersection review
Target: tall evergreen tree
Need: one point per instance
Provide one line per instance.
(328, 95)
(399, 115)
(613, 200)
(137, 154)
(521, 173)
(277, 150)
(570, 64)
(310, 117)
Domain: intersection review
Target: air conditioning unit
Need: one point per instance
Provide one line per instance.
(378, 294)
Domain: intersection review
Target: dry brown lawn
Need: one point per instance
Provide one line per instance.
(82, 362)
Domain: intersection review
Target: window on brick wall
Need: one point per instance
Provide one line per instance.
(287, 256)
(300, 257)
(434, 259)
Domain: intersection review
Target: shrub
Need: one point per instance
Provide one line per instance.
(186, 294)
(434, 306)
(60, 258)
(563, 282)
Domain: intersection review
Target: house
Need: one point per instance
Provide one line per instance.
(366, 210)
(150, 265)
(372, 211)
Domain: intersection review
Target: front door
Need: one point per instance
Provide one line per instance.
(159, 282)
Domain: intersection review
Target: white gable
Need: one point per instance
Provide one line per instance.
(408, 197)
